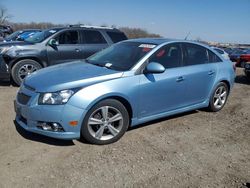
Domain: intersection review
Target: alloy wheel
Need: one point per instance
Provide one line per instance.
(220, 97)
(105, 123)
(25, 70)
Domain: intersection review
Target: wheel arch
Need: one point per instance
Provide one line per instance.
(125, 102)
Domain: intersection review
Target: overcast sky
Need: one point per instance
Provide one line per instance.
(212, 20)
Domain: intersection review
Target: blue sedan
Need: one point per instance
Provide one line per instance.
(127, 84)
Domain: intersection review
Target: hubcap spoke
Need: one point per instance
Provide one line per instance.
(113, 130)
(99, 133)
(223, 94)
(105, 110)
(116, 117)
(95, 121)
(216, 102)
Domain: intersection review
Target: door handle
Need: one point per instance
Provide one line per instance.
(77, 50)
(211, 72)
(180, 79)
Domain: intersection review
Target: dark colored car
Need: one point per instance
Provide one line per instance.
(235, 56)
(245, 58)
(6, 29)
(56, 46)
(247, 69)
(21, 35)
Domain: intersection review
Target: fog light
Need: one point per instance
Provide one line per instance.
(50, 126)
(46, 127)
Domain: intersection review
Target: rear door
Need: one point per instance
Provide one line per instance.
(93, 41)
(200, 72)
(69, 48)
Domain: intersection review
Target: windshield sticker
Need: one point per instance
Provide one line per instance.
(52, 31)
(147, 46)
(108, 64)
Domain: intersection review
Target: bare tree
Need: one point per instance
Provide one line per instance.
(4, 16)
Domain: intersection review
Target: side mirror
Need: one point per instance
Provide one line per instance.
(53, 43)
(154, 68)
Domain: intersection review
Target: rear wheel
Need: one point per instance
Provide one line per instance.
(219, 97)
(248, 75)
(23, 68)
(105, 122)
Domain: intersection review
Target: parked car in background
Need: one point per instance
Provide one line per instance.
(127, 84)
(222, 52)
(235, 56)
(5, 30)
(21, 35)
(247, 69)
(244, 58)
(56, 46)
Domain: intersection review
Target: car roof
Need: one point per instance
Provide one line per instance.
(86, 28)
(159, 41)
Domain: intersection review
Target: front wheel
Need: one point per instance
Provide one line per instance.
(219, 97)
(23, 68)
(105, 123)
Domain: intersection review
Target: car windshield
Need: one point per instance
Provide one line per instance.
(13, 35)
(41, 36)
(122, 56)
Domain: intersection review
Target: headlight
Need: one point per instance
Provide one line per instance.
(56, 98)
(4, 49)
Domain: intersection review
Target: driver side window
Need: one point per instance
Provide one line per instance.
(68, 37)
(169, 56)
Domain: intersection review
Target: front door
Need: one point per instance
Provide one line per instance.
(165, 91)
(68, 48)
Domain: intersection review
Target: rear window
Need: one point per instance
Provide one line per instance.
(117, 36)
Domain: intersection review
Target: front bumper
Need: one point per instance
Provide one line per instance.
(30, 115)
(4, 70)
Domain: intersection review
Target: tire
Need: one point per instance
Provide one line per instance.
(23, 68)
(98, 126)
(247, 75)
(218, 98)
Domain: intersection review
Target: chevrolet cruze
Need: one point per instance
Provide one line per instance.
(127, 84)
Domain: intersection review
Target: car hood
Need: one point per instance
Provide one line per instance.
(68, 76)
(11, 43)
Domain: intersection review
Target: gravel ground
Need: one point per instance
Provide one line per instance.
(196, 149)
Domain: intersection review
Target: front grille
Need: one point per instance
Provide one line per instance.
(22, 98)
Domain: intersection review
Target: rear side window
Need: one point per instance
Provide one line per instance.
(68, 37)
(195, 55)
(169, 56)
(213, 58)
(94, 37)
(116, 36)
(219, 51)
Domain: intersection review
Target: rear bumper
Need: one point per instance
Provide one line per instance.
(4, 70)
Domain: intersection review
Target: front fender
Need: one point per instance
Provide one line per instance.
(126, 88)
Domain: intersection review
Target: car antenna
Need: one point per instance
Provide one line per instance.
(187, 35)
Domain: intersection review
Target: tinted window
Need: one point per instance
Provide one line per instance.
(122, 56)
(219, 51)
(68, 37)
(195, 55)
(116, 36)
(213, 57)
(169, 56)
(94, 37)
